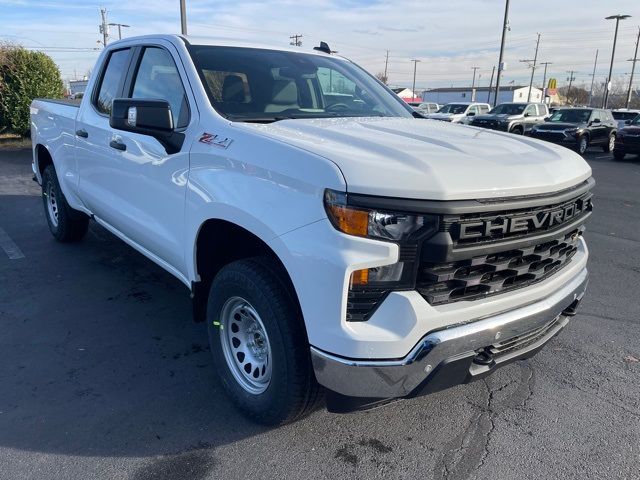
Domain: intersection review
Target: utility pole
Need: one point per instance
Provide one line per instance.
(104, 27)
(571, 79)
(183, 17)
(493, 71)
(532, 66)
(386, 64)
(295, 40)
(473, 84)
(544, 81)
(593, 78)
(617, 18)
(505, 26)
(633, 69)
(415, 66)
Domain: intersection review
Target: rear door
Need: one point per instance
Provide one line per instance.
(599, 128)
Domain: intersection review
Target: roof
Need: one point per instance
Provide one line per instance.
(223, 42)
(507, 88)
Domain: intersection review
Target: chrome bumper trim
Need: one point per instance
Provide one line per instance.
(400, 377)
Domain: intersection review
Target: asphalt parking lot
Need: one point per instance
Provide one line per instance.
(104, 375)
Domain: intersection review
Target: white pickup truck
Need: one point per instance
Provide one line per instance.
(327, 235)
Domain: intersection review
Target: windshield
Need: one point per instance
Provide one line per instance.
(455, 108)
(509, 109)
(250, 84)
(570, 116)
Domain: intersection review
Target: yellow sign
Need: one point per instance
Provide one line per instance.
(552, 89)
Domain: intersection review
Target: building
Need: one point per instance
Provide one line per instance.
(402, 92)
(77, 86)
(508, 93)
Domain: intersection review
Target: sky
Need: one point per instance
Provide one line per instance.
(449, 37)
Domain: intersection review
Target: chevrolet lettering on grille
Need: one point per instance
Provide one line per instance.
(514, 224)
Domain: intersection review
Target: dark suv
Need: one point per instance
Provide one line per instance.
(513, 117)
(579, 128)
(628, 139)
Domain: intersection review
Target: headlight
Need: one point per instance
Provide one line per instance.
(381, 225)
(406, 229)
(571, 131)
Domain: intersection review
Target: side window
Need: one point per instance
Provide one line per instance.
(332, 81)
(158, 78)
(484, 109)
(542, 110)
(595, 116)
(111, 78)
(473, 109)
(530, 110)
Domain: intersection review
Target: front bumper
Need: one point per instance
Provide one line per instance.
(453, 355)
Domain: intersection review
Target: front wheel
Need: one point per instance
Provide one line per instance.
(65, 223)
(259, 343)
(618, 154)
(610, 145)
(582, 145)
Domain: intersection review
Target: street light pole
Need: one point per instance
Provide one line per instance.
(633, 69)
(119, 25)
(415, 65)
(473, 84)
(544, 81)
(183, 17)
(505, 26)
(617, 18)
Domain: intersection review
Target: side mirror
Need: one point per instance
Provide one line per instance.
(594, 121)
(547, 119)
(471, 114)
(527, 114)
(627, 122)
(147, 117)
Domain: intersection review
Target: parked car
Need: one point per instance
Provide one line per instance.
(623, 115)
(459, 112)
(628, 139)
(378, 256)
(511, 117)
(579, 128)
(424, 107)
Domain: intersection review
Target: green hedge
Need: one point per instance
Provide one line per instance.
(24, 75)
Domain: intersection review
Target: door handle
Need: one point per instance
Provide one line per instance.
(117, 145)
(82, 133)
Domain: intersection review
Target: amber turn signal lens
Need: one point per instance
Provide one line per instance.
(359, 277)
(350, 220)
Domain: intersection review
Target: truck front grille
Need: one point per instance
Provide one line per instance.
(494, 273)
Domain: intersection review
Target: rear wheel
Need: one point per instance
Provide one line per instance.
(65, 223)
(610, 145)
(518, 130)
(582, 145)
(259, 344)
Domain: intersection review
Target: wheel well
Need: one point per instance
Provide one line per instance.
(43, 157)
(221, 242)
(517, 127)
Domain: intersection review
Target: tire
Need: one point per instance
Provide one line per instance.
(65, 223)
(618, 154)
(582, 144)
(253, 320)
(517, 131)
(610, 146)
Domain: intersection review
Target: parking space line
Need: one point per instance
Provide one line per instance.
(10, 248)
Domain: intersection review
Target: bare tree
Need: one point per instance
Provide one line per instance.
(382, 77)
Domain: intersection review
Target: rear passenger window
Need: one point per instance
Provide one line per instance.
(542, 109)
(158, 79)
(110, 82)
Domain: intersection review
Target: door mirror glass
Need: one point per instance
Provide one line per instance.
(146, 117)
(595, 120)
(471, 114)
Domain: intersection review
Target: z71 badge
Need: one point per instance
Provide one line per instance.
(215, 140)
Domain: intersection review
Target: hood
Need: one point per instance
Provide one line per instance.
(630, 130)
(443, 116)
(557, 126)
(414, 158)
(501, 117)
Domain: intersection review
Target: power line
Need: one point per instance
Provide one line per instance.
(295, 40)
